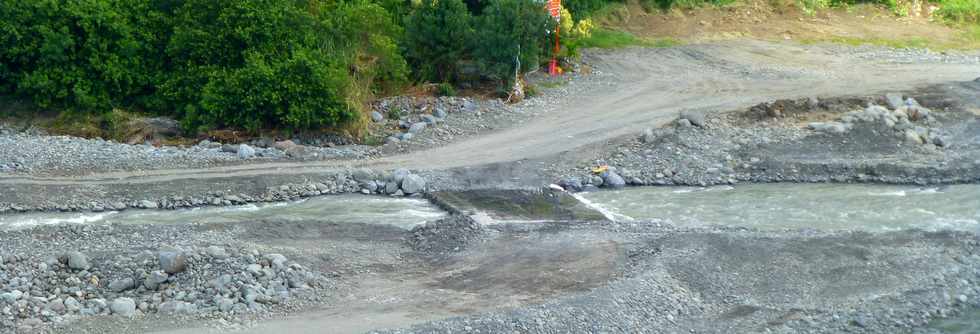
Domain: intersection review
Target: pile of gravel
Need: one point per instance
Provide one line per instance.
(400, 182)
(809, 140)
(451, 234)
(57, 274)
(327, 184)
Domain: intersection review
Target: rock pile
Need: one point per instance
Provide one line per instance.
(209, 280)
(907, 119)
(400, 182)
(412, 115)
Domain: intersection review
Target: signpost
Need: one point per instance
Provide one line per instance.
(554, 8)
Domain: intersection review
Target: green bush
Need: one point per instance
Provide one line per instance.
(960, 11)
(508, 30)
(252, 64)
(80, 55)
(446, 89)
(585, 8)
(436, 37)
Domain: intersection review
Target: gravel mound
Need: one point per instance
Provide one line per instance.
(446, 235)
(806, 140)
(62, 273)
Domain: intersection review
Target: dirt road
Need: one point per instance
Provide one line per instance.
(640, 88)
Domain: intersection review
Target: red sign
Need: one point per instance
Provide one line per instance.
(554, 8)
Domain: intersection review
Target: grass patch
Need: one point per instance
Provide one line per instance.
(970, 40)
(604, 38)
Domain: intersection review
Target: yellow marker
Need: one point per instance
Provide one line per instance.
(600, 169)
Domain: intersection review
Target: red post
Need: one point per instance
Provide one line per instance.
(554, 7)
(553, 69)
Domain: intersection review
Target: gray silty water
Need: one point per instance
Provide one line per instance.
(401, 212)
(874, 208)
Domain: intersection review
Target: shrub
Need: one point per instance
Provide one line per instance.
(585, 8)
(446, 89)
(436, 37)
(960, 11)
(82, 55)
(509, 30)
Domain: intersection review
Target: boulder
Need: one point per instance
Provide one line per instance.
(399, 174)
(172, 261)
(571, 184)
(440, 113)
(912, 137)
(827, 127)
(683, 123)
(392, 140)
(142, 129)
(216, 252)
(364, 175)
(77, 261)
(696, 118)
(391, 187)
(123, 306)
(648, 136)
(245, 152)
(277, 261)
(284, 144)
(613, 180)
(377, 117)
(417, 127)
(413, 184)
(121, 285)
(894, 100)
(155, 279)
(429, 119)
(405, 136)
(146, 204)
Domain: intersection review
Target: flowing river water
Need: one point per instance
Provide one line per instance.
(401, 212)
(872, 208)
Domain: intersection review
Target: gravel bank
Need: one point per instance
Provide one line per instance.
(857, 139)
(741, 281)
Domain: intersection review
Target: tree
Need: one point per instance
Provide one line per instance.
(436, 38)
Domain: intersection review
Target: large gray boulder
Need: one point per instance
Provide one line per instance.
(364, 175)
(172, 261)
(696, 118)
(413, 184)
(377, 117)
(245, 152)
(440, 113)
(121, 285)
(417, 127)
(123, 306)
(429, 119)
(77, 261)
(154, 280)
(399, 174)
(612, 180)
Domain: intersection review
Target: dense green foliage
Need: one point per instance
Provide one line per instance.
(961, 11)
(508, 30)
(438, 34)
(263, 63)
(295, 64)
